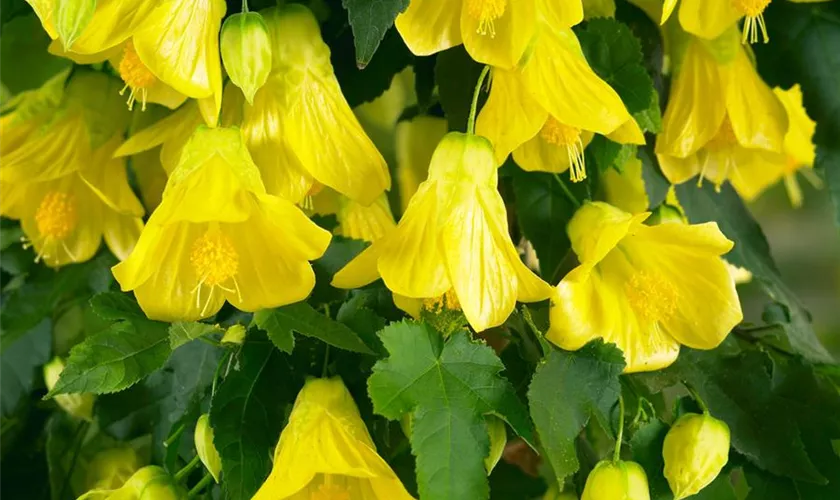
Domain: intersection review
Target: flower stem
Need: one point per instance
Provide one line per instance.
(620, 436)
(567, 191)
(181, 474)
(207, 479)
(474, 106)
(244, 6)
(696, 396)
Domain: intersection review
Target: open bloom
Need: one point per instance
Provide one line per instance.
(453, 237)
(722, 120)
(799, 153)
(546, 109)
(647, 289)
(710, 18)
(300, 129)
(218, 236)
(325, 452)
(164, 51)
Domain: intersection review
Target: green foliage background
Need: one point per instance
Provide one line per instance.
(771, 381)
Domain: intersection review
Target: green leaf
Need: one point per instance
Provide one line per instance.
(608, 154)
(370, 21)
(117, 358)
(185, 331)
(24, 44)
(20, 362)
(279, 323)
(448, 387)
(247, 414)
(752, 252)
(568, 389)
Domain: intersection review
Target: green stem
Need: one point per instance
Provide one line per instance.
(700, 402)
(244, 6)
(326, 362)
(207, 479)
(474, 106)
(218, 372)
(181, 474)
(567, 191)
(620, 436)
(172, 437)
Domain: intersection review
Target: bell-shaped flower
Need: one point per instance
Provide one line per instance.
(619, 480)
(710, 18)
(648, 289)
(217, 236)
(495, 32)
(722, 120)
(799, 153)
(546, 110)
(325, 452)
(453, 237)
(300, 128)
(164, 51)
(149, 483)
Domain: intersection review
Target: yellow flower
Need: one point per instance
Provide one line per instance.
(299, 128)
(625, 189)
(416, 140)
(620, 480)
(710, 18)
(453, 236)
(546, 110)
(164, 51)
(326, 453)
(218, 236)
(799, 153)
(77, 405)
(149, 483)
(722, 120)
(355, 221)
(647, 289)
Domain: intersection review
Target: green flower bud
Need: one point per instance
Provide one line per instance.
(71, 19)
(695, 450)
(109, 469)
(205, 447)
(234, 335)
(149, 483)
(554, 493)
(246, 52)
(616, 481)
(77, 405)
(495, 428)
(664, 214)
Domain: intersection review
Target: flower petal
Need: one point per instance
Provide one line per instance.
(564, 14)
(430, 26)
(498, 41)
(538, 155)
(360, 271)
(799, 138)
(758, 118)
(121, 232)
(416, 140)
(597, 227)
(708, 18)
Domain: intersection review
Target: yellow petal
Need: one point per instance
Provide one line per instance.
(626, 189)
(757, 116)
(708, 18)
(697, 105)
(360, 271)
(799, 138)
(561, 14)
(583, 99)
(416, 140)
(628, 133)
(410, 306)
(430, 26)
(678, 170)
(597, 227)
(540, 155)
(510, 117)
(756, 171)
(497, 32)
(113, 22)
(121, 232)
(151, 177)
(107, 177)
(667, 9)
(57, 48)
(365, 223)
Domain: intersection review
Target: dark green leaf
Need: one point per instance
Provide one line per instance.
(279, 323)
(19, 365)
(456, 75)
(448, 387)
(25, 42)
(370, 20)
(185, 331)
(568, 389)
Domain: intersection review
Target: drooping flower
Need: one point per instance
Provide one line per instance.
(546, 109)
(695, 450)
(246, 51)
(300, 128)
(710, 18)
(164, 51)
(722, 120)
(453, 238)
(799, 152)
(325, 452)
(648, 289)
(619, 480)
(217, 236)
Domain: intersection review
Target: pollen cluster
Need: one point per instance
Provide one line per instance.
(136, 76)
(751, 7)
(651, 296)
(214, 258)
(569, 138)
(754, 20)
(447, 301)
(330, 492)
(56, 216)
(486, 11)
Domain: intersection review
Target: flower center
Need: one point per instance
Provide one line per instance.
(56, 216)
(214, 258)
(568, 138)
(753, 10)
(486, 11)
(330, 492)
(725, 137)
(651, 296)
(447, 301)
(136, 76)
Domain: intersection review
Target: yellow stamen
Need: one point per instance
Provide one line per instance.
(651, 296)
(446, 301)
(56, 216)
(753, 11)
(568, 137)
(136, 76)
(215, 261)
(330, 492)
(486, 11)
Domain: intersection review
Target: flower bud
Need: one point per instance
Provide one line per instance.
(616, 481)
(77, 405)
(205, 447)
(695, 450)
(554, 493)
(72, 17)
(149, 483)
(234, 335)
(109, 469)
(246, 52)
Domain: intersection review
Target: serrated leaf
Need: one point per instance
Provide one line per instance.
(247, 414)
(370, 20)
(448, 387)
(751, 252)
(185, 331)
(568, 389)
(279, 324)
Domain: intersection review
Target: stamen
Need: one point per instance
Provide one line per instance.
(568, 137)
(447, 301)
(486, 11)
(753, 11)
(136, 76)
(651, 296)
(216, 261)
